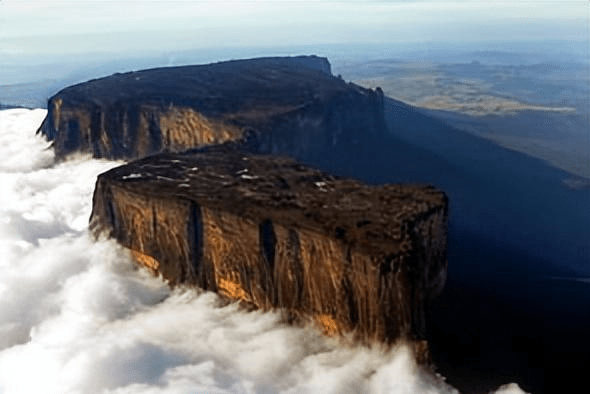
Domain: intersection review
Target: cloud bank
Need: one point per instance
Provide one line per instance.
(76, 316)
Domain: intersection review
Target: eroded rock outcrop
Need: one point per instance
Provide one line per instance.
(272, 232)
(290, 105)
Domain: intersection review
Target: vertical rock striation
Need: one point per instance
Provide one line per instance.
(266, 230)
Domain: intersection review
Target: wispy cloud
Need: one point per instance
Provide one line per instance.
(277, 22)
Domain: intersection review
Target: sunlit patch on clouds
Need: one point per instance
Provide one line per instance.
(76, 316)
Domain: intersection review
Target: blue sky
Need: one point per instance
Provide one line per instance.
(68, 27)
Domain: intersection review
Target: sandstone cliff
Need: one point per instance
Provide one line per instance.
(287, 105)
(277, 234)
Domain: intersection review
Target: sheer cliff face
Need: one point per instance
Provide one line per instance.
(291, 106)
(275, 234)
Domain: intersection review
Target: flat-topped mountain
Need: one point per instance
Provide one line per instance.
(207, 208)
(277, 234)
(290, 105)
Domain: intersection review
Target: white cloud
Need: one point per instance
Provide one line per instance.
(77, 317)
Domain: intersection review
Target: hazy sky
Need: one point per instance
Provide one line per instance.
(124, 26)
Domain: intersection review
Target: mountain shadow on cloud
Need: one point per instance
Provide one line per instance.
(512, 225)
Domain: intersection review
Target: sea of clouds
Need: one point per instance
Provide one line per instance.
(76, 315)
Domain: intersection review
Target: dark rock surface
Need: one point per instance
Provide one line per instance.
(290, 105)
(274, 233)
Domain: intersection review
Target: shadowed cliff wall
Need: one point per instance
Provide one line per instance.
(276, 234)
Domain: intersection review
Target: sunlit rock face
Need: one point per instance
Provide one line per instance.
(354, 258)
(290, 105)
